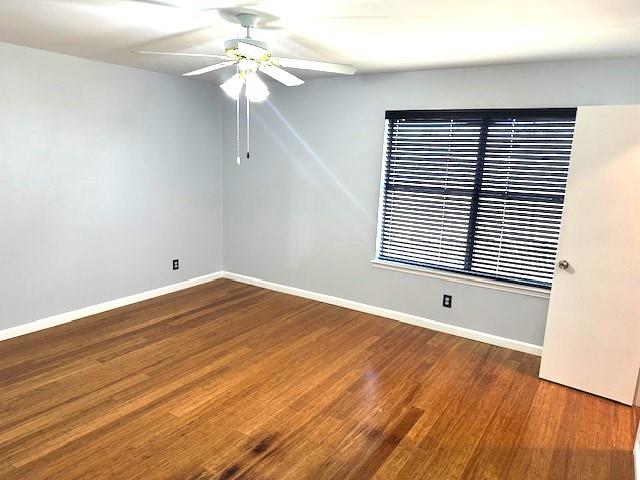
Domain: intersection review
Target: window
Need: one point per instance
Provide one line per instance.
(477, 192)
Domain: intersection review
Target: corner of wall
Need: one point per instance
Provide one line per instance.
(221, 173)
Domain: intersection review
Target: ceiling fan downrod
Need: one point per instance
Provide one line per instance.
(248, 21)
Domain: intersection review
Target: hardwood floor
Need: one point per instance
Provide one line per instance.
(228, 381)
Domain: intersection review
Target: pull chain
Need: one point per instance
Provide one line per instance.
(247, 128)
(238, 130)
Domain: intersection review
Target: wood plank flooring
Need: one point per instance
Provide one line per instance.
(228, 381)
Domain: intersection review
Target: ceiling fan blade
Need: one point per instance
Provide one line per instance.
(313, 65)
(281, 75)
(210, 68)
(209, 55)
(251, 51)
(196, 4)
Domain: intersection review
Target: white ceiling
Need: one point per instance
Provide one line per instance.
(373, 35)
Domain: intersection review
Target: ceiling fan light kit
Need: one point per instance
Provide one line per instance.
(251, 56)
(256, 90)
(233, 86)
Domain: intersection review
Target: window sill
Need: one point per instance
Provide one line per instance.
(465, 279)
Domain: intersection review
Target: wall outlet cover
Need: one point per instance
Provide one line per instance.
(447, 300)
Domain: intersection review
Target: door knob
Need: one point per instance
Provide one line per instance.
(563, 264)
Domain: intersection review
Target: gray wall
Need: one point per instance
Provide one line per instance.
(107, 173)
(302, 212)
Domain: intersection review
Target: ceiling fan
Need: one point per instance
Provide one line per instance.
(251, 56)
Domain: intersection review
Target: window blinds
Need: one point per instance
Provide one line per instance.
(477, 192)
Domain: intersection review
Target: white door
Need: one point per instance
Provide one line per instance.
(592, 338)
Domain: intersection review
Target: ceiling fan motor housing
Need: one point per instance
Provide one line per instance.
(231, 46)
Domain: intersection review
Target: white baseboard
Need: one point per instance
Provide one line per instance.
(320, 297)
(392, 314)
(103, 307)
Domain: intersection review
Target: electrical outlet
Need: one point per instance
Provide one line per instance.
(176, 264)
(446, 301)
